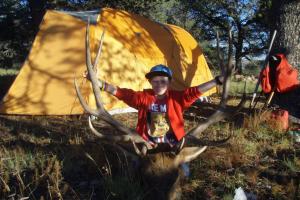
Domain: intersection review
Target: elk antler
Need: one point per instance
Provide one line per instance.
(128, 135)
(222, 112)
(190, 153)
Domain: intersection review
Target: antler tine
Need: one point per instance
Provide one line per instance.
(220, 60)
(116, 138)
(188, 154)
(99, 50)
(131, 137)
(227, 73)
(91, 72)
(87, 45)
(230, 50)
(82, 101)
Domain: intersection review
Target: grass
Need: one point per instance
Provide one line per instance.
(26, 174)
(46, 157)
(6, 78)
(253, 69)
(8, 72)
(238, 87)
(256, 147)
(292, 164)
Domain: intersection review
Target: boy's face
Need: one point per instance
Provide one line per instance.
(160, 84)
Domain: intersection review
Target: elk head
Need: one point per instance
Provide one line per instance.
(158, 166)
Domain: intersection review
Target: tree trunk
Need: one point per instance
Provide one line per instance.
(238, 63)
(239, 49)
(285, 18)
(37, 11)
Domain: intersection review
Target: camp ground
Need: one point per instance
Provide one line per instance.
(132, 45)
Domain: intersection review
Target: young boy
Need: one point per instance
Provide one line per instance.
(160, 109)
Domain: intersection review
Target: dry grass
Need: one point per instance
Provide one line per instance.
(23, 174)
(255, 159)
(45, 157)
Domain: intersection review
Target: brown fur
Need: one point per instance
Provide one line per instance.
(161, 176)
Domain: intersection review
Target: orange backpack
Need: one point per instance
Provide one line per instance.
(282, 79)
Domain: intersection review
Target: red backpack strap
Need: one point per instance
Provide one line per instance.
(265, 80)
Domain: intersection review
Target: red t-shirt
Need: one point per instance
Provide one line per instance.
(176, 101)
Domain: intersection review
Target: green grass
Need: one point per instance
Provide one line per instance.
(252, 70)
(292, 164)
(237, 87)
(8, 72)
(6, 78)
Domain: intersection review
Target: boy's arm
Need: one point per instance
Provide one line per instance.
(130, 97)
(218, 80)
(107, 87)
(189, 95)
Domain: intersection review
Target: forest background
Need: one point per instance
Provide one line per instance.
(252, 22)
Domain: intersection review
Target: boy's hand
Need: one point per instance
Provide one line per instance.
(219, 79)
(100, 82)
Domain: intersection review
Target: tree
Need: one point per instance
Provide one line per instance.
(15, 33)
(284, 17)
(242, 16)
(20, 19)
(37, 11)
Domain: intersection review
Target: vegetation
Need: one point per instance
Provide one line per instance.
(8, 72)
(243, 17)
(20, 20)
(57, 157)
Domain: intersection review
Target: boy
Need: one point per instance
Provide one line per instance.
(160, 109)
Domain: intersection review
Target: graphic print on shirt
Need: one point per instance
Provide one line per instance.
(158, 123)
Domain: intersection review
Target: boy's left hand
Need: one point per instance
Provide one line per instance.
(219, 79)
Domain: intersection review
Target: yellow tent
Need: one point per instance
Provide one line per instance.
(132, 45)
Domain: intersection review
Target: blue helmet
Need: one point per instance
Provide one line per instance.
(159, 70)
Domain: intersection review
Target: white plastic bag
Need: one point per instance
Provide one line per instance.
(240, 194)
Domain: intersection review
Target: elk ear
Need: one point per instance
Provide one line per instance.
(188, 154)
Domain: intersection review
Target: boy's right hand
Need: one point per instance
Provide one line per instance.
(100, 82)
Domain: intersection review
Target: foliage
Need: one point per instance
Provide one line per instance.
(8, 72)
(237, 87)
(17, 34)
(243, 17)
(201, 18)
(20, 20)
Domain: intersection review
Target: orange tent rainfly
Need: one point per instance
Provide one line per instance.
(132, 45)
